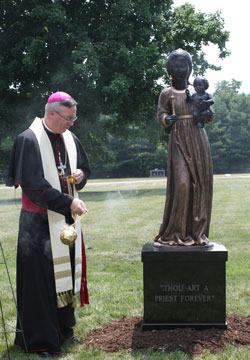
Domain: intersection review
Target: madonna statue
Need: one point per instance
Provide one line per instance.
(187, 212)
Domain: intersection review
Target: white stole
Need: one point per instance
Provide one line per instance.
(61, 256)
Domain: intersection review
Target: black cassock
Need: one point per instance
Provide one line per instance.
(45, 325)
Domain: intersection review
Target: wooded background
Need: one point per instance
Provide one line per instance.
(111, 56)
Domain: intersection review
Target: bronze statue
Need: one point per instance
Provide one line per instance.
(187, 212)
(201, 101)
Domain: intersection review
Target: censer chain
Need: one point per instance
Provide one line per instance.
(71, 180)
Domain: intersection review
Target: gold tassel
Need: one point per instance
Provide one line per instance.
(68, 298)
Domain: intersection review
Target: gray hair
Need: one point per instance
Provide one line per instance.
(57, 105)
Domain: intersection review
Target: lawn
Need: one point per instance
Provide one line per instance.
(123, 215)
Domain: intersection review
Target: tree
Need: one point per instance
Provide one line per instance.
(229, 134)
(109, 55)
(131, 158)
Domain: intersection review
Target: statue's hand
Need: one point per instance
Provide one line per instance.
(187, 92)
(170, 120)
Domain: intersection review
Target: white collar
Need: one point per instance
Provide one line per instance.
(46, 126)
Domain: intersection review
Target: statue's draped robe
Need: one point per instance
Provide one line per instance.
(45, 325)
(188, 204)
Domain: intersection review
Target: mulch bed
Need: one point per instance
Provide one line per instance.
(127, 334)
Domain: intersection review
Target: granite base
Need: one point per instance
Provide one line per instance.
(184, 287)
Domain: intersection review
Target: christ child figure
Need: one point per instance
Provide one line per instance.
(201, 102)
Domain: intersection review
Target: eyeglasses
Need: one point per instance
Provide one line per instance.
(67, 119)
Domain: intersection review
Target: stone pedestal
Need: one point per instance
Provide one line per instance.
(184, 286)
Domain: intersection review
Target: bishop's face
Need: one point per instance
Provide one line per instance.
(62, 119)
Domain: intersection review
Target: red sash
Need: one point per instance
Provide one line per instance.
(28, 205)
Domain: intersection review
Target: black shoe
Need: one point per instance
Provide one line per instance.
(44, 354)
(75, 339)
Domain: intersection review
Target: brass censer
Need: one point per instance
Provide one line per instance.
(68, 234)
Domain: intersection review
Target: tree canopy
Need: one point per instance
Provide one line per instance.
(229, 133)
(109, 55)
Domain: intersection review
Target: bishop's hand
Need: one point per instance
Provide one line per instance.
(78, 175)
(78, 207)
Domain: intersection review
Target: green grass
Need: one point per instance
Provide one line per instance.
(123, 215)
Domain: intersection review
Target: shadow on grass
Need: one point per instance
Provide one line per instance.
(101, 195)
(11, 202)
